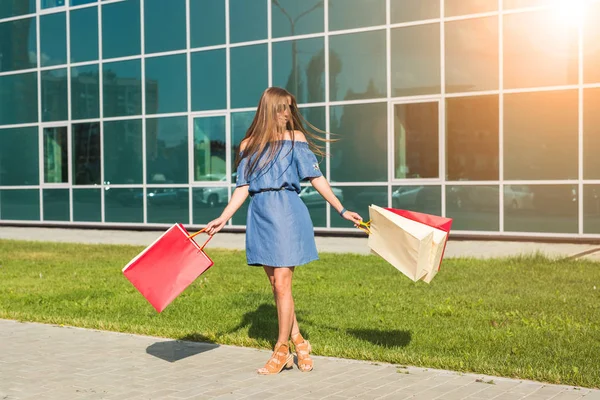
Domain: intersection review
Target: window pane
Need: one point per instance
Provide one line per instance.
(299, 67)
(19, 161)
(472, 138)
(591, 209)
(86, 205)
(202, 213)
(18, 99)
(357, 66)
(122, 88)
(243, 11)
(461, 7)
(167, 150)
(207, 26)
(168, 205)
(209, 82)
(166, 84)
(85, 92)
(56, 155)
(54, 95)
(316, 204)
(209, 150)
(292, 17)
(249, 75)
(540, 49)
(472, 55)
(16, 7)
(591, 44)
(86, 153)
(357, 199)
(53, 39)
(540, 208)
(20, 205)
(84, 34)
(416, 60)
(473, 208)
(508, 4)
(18, 48)
(591, 133)
(51, 3)
(123, 152)
(410, 10)
(416, 140)
(540, 135)
(56, 204)
(124, 205)
(164, 23)
(359, 127)
(348, 14)
(425, 199)
(121, 29)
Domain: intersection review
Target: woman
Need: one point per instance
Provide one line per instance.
(275, 155)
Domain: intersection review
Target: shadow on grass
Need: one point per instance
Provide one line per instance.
(393, 338)
(176, 350)
(262, 323)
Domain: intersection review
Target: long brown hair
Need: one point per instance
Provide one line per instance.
(265, 131)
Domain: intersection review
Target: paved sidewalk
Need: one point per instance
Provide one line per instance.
(49, 362)
(236, 241)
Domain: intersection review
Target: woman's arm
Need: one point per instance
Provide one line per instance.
(324, 189)
(240, 194)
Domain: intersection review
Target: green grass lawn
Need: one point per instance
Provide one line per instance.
(529, 318)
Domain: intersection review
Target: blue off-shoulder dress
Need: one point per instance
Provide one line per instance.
(279, 231)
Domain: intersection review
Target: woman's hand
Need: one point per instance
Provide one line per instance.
(353, 217)
(215, 225)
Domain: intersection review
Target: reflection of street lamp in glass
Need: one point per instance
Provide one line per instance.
(293, 22)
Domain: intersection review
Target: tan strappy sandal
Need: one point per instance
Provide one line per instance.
(280, 359)
(303, 349)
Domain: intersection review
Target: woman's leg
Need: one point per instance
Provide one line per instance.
(271, 275)
(281, 282)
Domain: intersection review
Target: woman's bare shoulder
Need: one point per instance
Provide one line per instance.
(299, 136)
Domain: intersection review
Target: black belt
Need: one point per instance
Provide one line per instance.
(273, 190)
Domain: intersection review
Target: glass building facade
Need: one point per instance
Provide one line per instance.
(130, 112)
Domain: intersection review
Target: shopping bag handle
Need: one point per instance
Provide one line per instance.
(365, 226)
(199, 232)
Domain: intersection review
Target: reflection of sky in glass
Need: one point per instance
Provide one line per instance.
(209, 82)
(348, 14)
(411, 10)
(249, 75)
(591, 133)
(308, 84)
(164, 25)
(166, 84)
(472, 55)
(84, 34)
(357, 66)
(462, 7)
(306, 17)
(247, 20)
(207, 22)
(121, 29)
(53, 39)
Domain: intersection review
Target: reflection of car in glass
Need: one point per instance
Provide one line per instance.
(216, 195)
(413, 197)
(311, 197)
(516, 197)
(166, 195)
